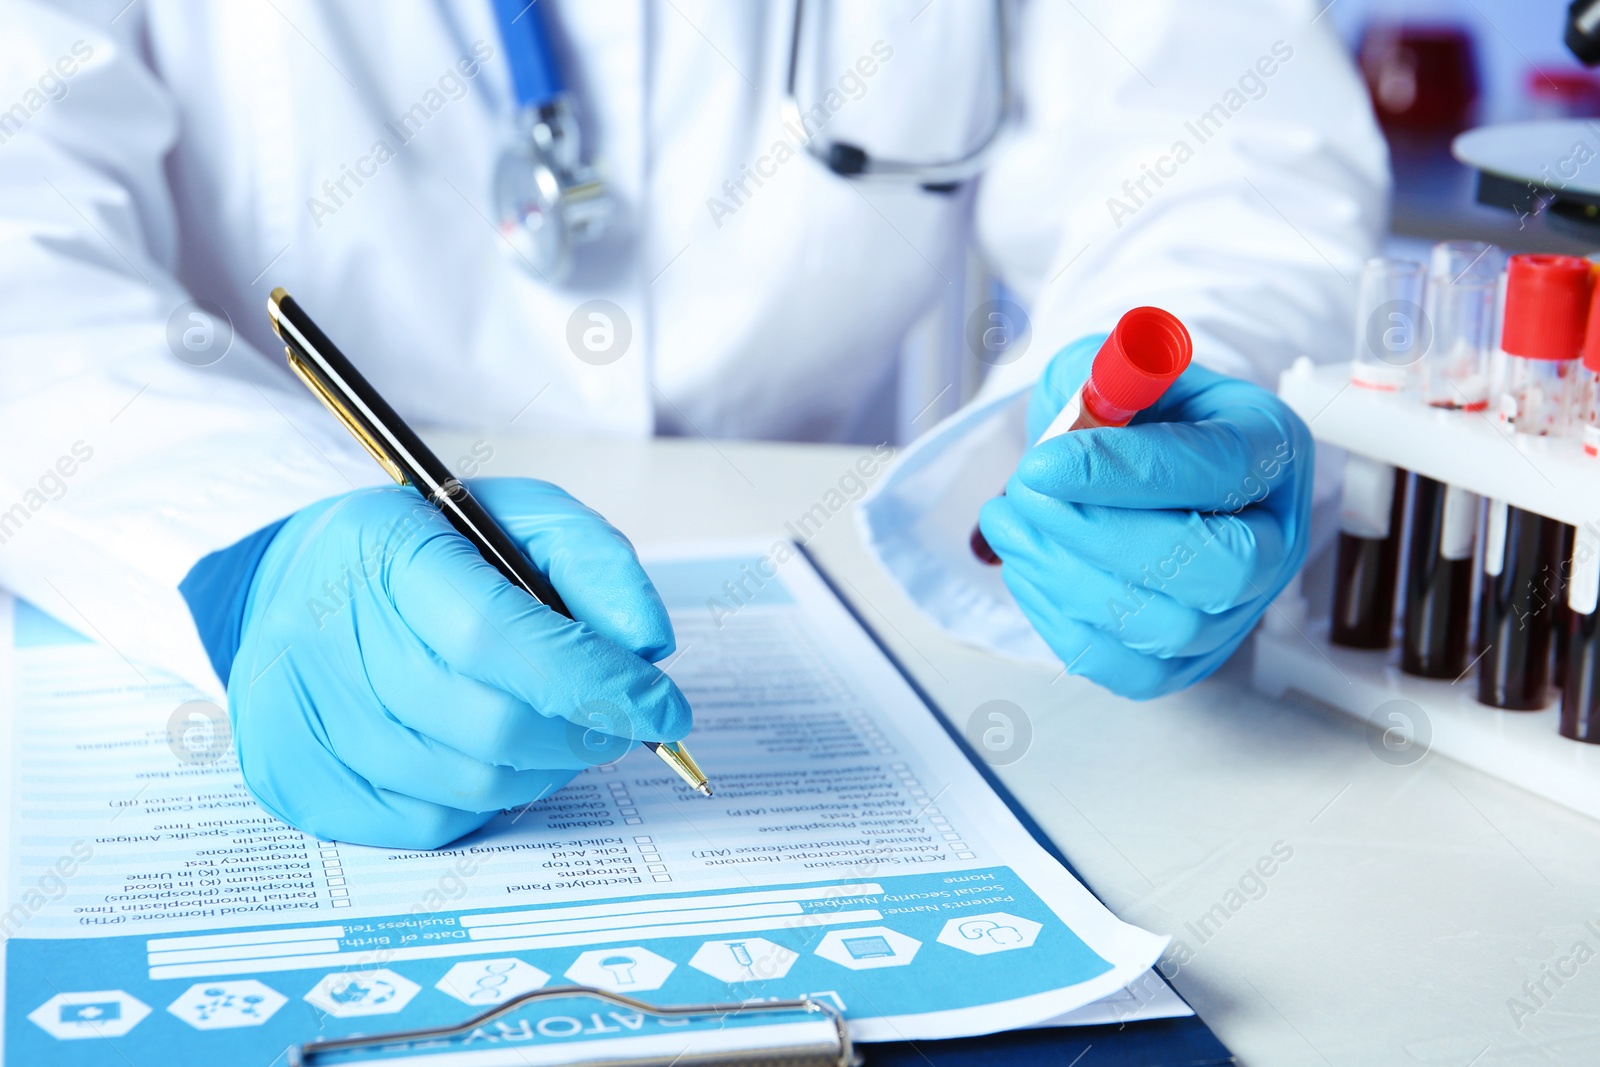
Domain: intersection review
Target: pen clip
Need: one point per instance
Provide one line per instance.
(313, 382)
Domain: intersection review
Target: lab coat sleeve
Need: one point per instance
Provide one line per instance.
(121, 464)
(1217, 158)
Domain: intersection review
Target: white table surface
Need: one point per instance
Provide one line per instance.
(1417, 902)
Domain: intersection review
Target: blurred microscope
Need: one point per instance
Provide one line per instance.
(1547, 170)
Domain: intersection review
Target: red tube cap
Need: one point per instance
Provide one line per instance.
(1547, 306)
(1591, 339)
(1144, 354)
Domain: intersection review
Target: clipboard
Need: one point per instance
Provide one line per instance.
(1185, 1041)
(813, 1034)
(805, 1032)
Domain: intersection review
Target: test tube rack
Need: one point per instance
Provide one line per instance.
(1550, 476)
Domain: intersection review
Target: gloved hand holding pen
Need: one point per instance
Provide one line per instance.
(1144, 554)
(388, 686)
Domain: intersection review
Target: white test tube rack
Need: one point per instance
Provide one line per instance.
(1549, 476)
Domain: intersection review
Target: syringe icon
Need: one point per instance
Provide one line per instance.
(741, 955)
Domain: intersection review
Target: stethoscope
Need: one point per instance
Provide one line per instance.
(548, 201)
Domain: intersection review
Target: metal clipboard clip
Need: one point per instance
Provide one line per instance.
(817, 1036)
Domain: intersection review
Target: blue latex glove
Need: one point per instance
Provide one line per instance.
(391, 688)
(1145, 554)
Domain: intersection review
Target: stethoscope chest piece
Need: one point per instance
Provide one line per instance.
(547, 201)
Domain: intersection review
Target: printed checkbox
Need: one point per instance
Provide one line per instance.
(656, 868)
(340, 903)
(645, 840)
(628, 811)
(635, 821)
(652, 857)
(662, 877)
(338, 892)
(336, 881)
(965, 856)
(333, 872)
(330, 863)
(951, 837)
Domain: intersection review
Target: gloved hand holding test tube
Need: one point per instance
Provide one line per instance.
(1144, 354)
(1145, 548)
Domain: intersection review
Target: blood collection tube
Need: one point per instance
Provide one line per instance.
(1546, 311)
(1580, 685)
(1561, 617)
(1390, 338)
(1145, 353)
(1463, 284)
(1586, 413)
(1580, 680)
(1516, 609)
(1368, 554)
(1438, 583)
(1547, 308)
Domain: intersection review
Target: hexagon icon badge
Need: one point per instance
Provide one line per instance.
(621, 970)
(868, 947)
(750, 959)
(490, 982)
(995, 931)
(99, 1013)
(223, 1005)
(350, 993)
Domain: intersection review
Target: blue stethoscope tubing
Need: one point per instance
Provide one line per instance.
(535, 76)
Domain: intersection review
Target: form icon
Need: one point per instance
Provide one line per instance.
(868, 948)
(621, 970)
(351, 993)
(224, 1005)
(104, 1011)
(749, 959)
(101, 1013)
(491, 981)
(995, 931)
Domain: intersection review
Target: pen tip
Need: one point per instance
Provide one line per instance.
(705, 789)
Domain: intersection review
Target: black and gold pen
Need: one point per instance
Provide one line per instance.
(399, 451)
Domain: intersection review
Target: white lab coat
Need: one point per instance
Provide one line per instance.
(164, 150)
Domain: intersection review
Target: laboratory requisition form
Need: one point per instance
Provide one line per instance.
(851, 853)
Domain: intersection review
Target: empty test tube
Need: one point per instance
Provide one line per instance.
(1391, 327)
(1462, 293)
